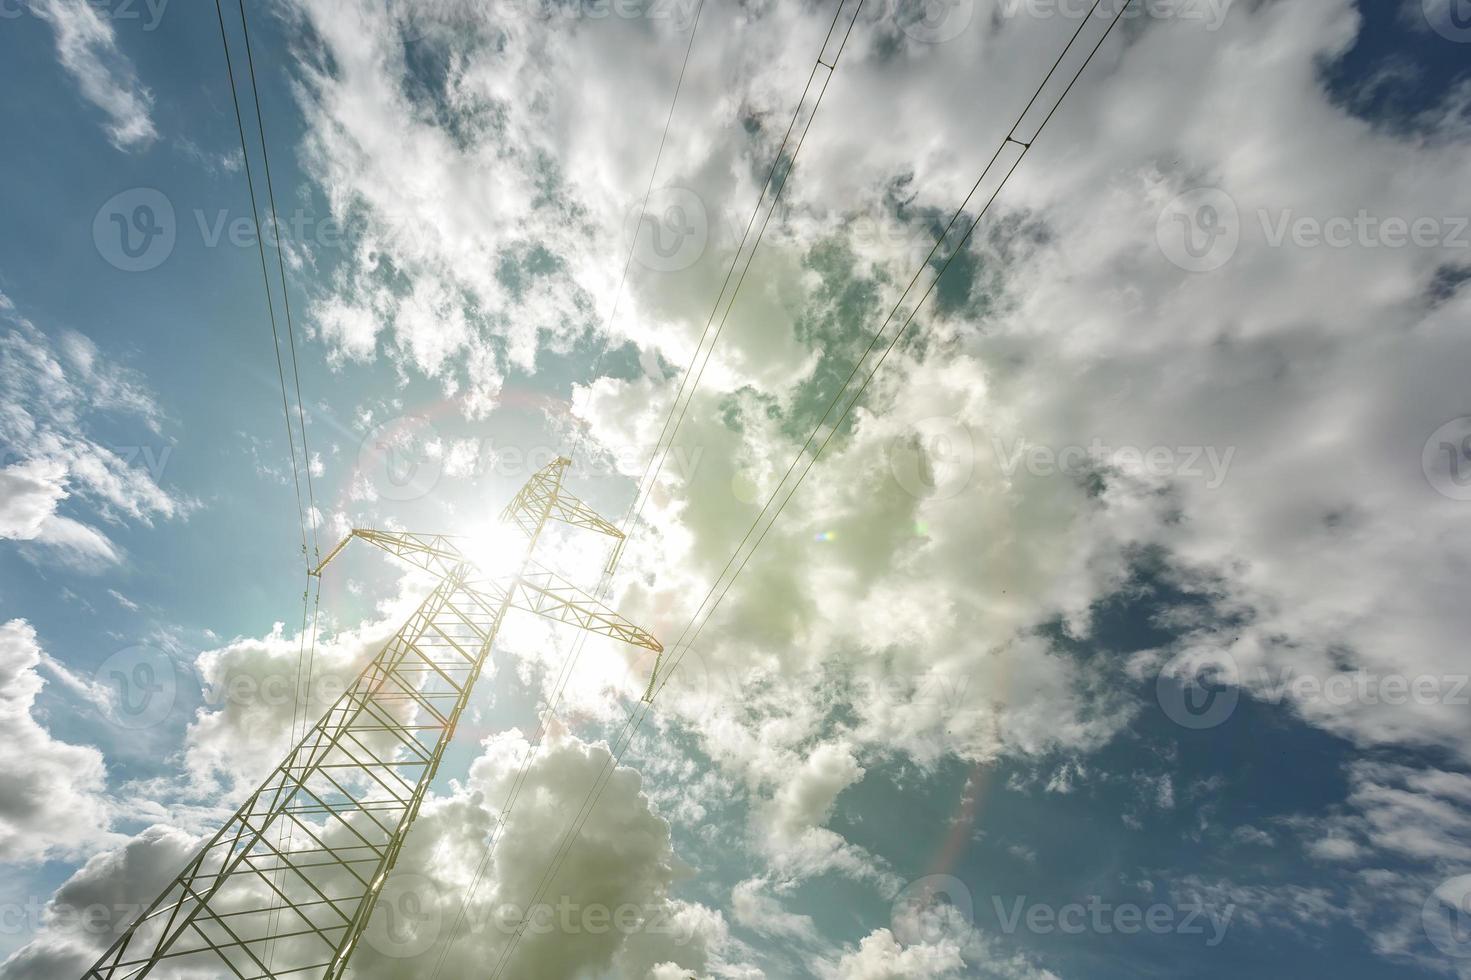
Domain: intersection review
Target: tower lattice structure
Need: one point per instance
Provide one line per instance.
(286, 888)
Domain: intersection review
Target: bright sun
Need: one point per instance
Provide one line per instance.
(495, 548)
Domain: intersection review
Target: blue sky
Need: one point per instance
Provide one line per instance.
(1186, 419)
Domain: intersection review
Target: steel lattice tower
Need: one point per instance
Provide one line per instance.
(287, 886)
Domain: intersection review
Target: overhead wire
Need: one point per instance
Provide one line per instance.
(635, 507)
(265, 278)
(636, 717)
(569, 662)
(643, 210)
(692, 375)
(307, 517)
(281, 268)
(297, 707)
(1011, 140)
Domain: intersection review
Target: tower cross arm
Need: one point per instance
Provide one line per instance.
(569, 510)
(544, 592)
(433, 552)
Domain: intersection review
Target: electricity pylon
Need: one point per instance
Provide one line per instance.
(287, 886)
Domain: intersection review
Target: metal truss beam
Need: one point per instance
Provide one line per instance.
(287, 886)
(544, 592)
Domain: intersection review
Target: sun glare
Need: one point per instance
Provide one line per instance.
(495, 548)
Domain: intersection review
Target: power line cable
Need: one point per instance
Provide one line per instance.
(309, 516)
(636, 717)
(281, 268)
(643, 210)
(771, 179)
(298, 710)
(569, 662)
(690, 380)
(1010, 140)
(265, 278)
